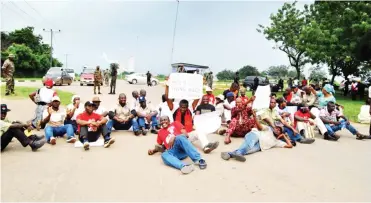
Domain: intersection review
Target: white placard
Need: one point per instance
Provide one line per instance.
(185, 86)
(262, 97)
(207, 123)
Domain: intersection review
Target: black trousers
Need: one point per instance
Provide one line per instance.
(14, 132)
(92, 136)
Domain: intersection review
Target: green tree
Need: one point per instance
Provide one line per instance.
(248, 71)
(278, 71)
(225, 75)
(25, 60)
(286, 30)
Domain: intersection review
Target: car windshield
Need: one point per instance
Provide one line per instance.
(69, 70)
(88, 71)
(54, 74)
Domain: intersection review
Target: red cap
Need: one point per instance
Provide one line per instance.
(49, 82)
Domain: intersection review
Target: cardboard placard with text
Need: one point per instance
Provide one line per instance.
(185, 86)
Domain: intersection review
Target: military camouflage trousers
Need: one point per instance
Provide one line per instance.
(9, 86)
(97, 84)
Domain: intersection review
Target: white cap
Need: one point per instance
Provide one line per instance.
(56, 98)
(220, 96)
(208, 89)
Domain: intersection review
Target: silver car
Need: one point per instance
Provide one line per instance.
(140, 78)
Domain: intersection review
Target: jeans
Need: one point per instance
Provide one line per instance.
(250, 144)
(93, 136)
(343, 124)
(13, 132)
(38, 115)
(142, 122)
(291, 134)
(73, 123)
(182, 148)
(58, 131)
(122, 126)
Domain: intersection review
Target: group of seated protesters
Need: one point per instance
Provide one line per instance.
(287, 120)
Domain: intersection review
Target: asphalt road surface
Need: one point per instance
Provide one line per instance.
(323, 171)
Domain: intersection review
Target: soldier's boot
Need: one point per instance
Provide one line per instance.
(114, 90)
(110, 92)
(7, 94)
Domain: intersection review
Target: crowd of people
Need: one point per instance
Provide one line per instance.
(286, 121)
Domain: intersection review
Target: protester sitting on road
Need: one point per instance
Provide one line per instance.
(330, 116)
(306, 120)
(98, 108)
(243, 96)
(16, 129)
(241, 122)
(364, 115)
(219, 105)
(147, 116)
(271, 118)
(283, 110)
(293, 96)
(309, 98)
(92, 125)
(327, 95)
(134, 103)
(174, 137)
(53, 118)
(42, 97)
(142, 93)
(233, 89)
(209, 93)
(229, 103)
(288, 95)
(260, 138)
(73, 110)
(205, 106)
(122, 117)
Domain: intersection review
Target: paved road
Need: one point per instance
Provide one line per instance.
(324, 171)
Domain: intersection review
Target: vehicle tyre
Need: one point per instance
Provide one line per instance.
(154, 83)
(134, 81)
(69, 83)
(81, 84)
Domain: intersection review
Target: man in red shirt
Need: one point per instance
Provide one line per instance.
(91, 126)
(209, 93)
(175, 139)
(304, 121)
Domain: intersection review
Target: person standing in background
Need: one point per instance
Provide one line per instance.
(346, 87)
(7, 72)
(114, 68)
(354, 90)
(210, 79)
(149, 75)
(280, 84)
(97, 79)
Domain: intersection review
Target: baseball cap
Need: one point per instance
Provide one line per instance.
(49, 82)
(89, 103)
(142, 99)
(230, 94)
(95, 99)
(56, 98)
(220, 96)
(4, 108)
(11, 55)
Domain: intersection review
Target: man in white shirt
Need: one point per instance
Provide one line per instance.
(229, 103)
(146, 116)
(42, 97)
(134, 103)
(73, 110)
(53, 118)
(259, 139)
(98, 108)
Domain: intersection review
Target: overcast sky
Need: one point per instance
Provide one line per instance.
(218, 34)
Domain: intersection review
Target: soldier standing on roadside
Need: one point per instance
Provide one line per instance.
(114, 67)
(97, 80)
(7, 72)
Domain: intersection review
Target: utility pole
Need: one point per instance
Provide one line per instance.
(66, 60)
(51, 43)
(176, 19)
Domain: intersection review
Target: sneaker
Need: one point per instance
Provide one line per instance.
(86, 145)
(238, 157)
(71, 140)
(108, 143)
(210, 147)
(202, 164)
(329, 137)
(53, 141)
(153, 131)
(306, 141)
(136, 133)
(187, 169)
(225, 156)
(36, 144)
(144, 132)
(159, 148)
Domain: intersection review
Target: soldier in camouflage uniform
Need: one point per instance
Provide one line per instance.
(114, 68)
(7, 72)
(97, 80)
(106, 77)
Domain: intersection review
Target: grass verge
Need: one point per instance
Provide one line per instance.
(23, 92)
